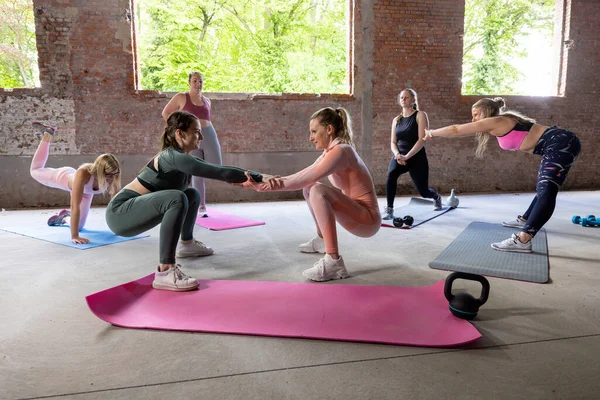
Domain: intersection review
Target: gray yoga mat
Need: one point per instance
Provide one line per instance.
(472, 252)
(420, 209)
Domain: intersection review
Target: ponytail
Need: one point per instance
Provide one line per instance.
(339, 119)
(494, 108)
(181, 120)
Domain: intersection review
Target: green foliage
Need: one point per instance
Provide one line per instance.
(266, 46)
(18, 51)
(491, 41)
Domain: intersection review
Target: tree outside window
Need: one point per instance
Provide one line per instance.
(508, 47)
(265, 46)
(18, 51)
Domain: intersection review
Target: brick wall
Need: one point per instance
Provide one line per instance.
(87, 74)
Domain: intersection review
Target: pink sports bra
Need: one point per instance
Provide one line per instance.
(202, 112)
(513, 139)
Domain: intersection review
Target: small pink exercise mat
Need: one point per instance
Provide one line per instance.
(415, 316)
(220, 221)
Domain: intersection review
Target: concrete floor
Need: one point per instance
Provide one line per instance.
(539, 341)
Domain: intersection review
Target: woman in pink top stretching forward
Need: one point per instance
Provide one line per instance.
(83, 183)
(353, 206)
(199, 105)
(558, 147)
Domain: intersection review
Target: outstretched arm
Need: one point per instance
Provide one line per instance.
(196, 166)
(334, 160)
(493, 125)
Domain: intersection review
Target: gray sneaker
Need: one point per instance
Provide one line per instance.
(44, 128)
(437, 203)
(327, 269)
(514, 223)
(314, 245)
(513, 244)
(388, 213)
(194, 249)
(175, 280)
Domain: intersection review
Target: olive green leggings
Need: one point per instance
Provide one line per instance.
(129, 214)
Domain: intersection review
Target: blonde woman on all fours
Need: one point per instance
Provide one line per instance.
(352, 201)
(558, 148)
(199, 105)
(103, 175)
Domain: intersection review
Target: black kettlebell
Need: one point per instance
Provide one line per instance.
(463, 305)
(407, 220)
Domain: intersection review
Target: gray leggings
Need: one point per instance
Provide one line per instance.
(129, 214)
(209, 151)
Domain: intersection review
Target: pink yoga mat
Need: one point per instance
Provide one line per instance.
(416, 316)
(219, 221)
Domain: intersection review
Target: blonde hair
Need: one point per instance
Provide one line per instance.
(413, 93)
(494, 108)
(103, 165)
(339, 119)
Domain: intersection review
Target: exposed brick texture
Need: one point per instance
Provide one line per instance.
(87, 74)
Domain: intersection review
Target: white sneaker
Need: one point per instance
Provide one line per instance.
(514, 223)
(388, 213)
(327, 269)
(314, 245)
(202, 212)
(194, 249)
(175, 280)
(513, 244)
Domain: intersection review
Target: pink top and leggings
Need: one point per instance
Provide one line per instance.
(354, 205)
(61, 178)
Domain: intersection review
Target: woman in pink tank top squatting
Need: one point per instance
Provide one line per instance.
(103, 175)
(199, 105)
(558, 147)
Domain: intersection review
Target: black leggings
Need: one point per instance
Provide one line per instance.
(129, 214)
(418, 168)
(559, 148)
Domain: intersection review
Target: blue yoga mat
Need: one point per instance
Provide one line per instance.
(97, 234)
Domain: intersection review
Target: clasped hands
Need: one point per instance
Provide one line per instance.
(400, 159)
(269, 182)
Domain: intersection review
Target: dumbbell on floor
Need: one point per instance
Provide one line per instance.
(590, 220)
(407, 220)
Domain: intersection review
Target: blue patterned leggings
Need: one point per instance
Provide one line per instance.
(559, 148)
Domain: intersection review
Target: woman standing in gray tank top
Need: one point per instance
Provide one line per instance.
(199, 105)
